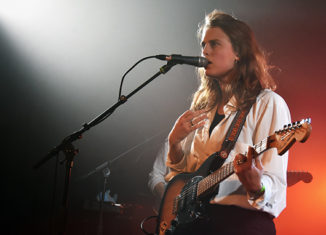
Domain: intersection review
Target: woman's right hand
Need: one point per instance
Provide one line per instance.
(184, 125)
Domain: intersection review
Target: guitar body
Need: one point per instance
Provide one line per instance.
(180, 204)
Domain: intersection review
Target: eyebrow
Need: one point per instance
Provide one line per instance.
(213, 40)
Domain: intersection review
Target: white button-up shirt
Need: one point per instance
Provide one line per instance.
(269, 114)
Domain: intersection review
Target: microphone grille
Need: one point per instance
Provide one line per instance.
(202, 62)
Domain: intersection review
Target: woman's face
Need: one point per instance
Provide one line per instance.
(218, 50)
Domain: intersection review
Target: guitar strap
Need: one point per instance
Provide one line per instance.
(228, 143)
(233, 133)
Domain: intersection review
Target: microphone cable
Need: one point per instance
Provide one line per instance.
(144, 220)
(121, 97)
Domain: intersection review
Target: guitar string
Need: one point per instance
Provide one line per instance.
(191, 187)
(222, 173)
(208, 180)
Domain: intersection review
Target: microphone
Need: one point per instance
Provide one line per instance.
(179, 59)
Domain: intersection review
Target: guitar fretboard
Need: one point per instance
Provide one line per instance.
(210, 181)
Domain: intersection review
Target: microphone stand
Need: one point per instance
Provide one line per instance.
(106, 173)
(69, 150)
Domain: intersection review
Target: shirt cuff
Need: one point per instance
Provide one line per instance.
(261, 201)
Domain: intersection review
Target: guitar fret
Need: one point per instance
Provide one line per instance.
(261, 146)
(220, 174)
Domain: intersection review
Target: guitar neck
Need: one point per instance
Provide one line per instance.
(215, 178)
(262, 146)
(212, 180)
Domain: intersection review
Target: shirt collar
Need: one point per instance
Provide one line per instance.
(230, 106)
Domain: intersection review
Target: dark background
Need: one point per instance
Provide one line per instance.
(61, 63)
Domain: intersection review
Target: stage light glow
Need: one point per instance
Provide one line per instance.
(55, 39)
(18, 11)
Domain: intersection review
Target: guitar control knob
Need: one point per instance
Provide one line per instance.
(174, 223)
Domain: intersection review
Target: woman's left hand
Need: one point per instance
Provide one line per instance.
(249, 170)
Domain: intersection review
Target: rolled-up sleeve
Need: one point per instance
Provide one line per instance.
(159, 168)
(272, 113)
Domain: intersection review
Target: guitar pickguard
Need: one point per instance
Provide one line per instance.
(187, 207)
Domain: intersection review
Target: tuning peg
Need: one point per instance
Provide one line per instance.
(288, 127)
(295, 125)
(285, 127)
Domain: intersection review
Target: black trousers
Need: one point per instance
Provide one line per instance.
(230, 220)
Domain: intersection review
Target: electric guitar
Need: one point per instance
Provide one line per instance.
(187, 193)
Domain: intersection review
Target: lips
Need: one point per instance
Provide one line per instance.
(209, 62)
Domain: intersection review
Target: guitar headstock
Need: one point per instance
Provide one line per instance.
(297, 131)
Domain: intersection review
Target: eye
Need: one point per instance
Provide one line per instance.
(203, 45)
(214, 43)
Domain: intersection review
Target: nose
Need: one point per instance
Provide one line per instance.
(206, 50)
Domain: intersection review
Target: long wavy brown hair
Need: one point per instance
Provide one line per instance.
(250, 74)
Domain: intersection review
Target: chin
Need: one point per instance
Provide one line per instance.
(210, 74)
(217, 74)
